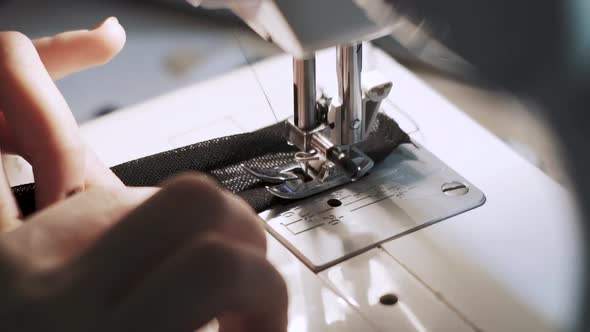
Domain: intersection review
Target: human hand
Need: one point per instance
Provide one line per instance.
(35, 120)
(115, 258)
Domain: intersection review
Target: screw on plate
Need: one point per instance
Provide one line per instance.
(454, 188)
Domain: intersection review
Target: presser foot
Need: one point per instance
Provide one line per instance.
(311, 173)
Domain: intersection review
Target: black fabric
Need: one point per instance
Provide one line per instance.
(222, 158)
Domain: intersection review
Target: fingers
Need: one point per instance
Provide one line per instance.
(74, 51)
(9, 211)
(42, 128)
(98, 174)
(207, 278)
(184, 208)
(40, 120)
(64, 231)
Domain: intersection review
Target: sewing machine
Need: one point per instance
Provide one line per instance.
(410, 190)
(454, 232)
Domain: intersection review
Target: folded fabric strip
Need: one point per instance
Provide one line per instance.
(221, 158)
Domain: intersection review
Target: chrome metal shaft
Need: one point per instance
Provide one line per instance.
(349, 58)
(304, 93)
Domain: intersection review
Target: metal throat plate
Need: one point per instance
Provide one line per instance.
(410, 190)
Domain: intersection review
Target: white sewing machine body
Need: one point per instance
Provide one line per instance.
(507, 265)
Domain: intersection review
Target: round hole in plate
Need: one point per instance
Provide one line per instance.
(334, 202)
(388, 299)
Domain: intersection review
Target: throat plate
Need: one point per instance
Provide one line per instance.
(410, 190)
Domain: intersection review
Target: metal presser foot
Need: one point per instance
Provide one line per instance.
(327, 131)
(312, 173)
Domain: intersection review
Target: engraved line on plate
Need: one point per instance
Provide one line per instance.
(292, 222)
(377, 201)
(358, 200)
(305, 230)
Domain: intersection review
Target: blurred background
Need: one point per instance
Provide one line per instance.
(171, 45)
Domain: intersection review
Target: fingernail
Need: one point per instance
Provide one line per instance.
(113, 20)
(74, 192)
(110, 20)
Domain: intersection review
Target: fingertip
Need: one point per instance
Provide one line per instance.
(74, 51)
(108, 20)
(111, 38)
